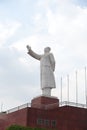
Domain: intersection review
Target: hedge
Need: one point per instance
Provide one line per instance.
(17, 127)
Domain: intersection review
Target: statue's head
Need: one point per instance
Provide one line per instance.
(47, 50)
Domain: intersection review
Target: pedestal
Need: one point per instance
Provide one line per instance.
(44, 102)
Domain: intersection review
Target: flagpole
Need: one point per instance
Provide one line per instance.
(61, 89)
(68, 88)
(76, 89)
(85, 87)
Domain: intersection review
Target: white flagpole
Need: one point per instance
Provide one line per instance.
(68, 88)
(1, 107)
(76, 89)
(85, 87)
(61, 89)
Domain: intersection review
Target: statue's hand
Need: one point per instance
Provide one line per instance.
(28, 47)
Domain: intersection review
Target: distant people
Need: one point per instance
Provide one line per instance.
(47, 68)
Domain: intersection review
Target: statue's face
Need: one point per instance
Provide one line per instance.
(47, 50)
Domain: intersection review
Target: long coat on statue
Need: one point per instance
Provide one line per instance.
(47, 67)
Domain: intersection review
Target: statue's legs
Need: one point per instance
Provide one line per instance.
(46, 91)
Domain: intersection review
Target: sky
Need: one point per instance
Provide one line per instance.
(60, 24)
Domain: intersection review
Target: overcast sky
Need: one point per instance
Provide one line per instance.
(60, 24)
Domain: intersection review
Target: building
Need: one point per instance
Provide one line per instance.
(45, 112)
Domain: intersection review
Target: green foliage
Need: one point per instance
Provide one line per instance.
(17, 127)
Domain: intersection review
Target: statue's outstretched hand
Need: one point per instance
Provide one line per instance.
(28, 47)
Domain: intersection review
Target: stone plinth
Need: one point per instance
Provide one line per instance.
(44, 102)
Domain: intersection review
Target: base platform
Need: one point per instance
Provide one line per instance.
(44, 102)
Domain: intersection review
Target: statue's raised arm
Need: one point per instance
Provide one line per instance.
(32, 53)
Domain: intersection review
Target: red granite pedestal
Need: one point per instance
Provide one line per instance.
(44, 102)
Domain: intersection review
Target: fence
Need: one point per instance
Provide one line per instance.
(18, 108)
(64, 103)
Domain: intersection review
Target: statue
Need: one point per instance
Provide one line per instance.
(47, 68)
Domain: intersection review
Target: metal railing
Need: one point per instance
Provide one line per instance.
(18, 108)
(64, 103)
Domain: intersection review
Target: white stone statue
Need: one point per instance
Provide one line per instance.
(47, 67)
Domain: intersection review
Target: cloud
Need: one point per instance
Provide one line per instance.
(7, 30)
